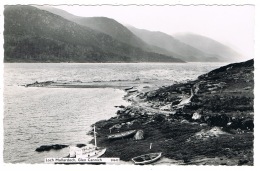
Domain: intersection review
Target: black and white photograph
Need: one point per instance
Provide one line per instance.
(128, 84)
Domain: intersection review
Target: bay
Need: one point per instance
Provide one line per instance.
(35, 116)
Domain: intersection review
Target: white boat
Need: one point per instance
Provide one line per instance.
(88, 151)
(147, 158)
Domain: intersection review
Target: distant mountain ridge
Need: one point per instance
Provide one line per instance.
(102, 24)
(188, 52)
(157, 42)
(47, 34)
(34, 35)
(112, 28)
(209, 45)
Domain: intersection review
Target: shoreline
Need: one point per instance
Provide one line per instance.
(173, 119)
(206, 121)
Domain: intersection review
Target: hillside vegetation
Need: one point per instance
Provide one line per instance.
(34, 35)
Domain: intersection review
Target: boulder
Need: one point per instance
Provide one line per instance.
(196, 116)
(43, 148)
(80, 145)
(129, 123)
(139, 135)
(166, 107)
(121, 106)
(203, 124)
(184, 121)
(49, 147)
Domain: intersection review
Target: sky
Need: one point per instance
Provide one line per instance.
(230, 25)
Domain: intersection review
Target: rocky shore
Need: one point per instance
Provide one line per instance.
(207, 121)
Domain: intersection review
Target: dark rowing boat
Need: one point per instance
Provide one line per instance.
(122, 134)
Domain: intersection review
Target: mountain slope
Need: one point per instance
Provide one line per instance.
(101, 24)
(35, 35)
(173, 45)
(208, 45)
(57, 11)
(112, 28)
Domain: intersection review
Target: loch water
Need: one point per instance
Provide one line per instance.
(35, 116)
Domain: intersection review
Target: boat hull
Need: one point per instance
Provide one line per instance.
(86, 152)
(146, 158)
(121, 135)
(95, 154)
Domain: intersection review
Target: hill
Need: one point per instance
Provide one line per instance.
(112, 28)
(34, 35)
(208, 45)
(162, 40)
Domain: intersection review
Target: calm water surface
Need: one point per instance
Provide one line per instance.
(41, 116)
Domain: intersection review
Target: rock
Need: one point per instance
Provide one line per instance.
(241, 123)
(186, 159)
(213, 88)
(121, 111)
(126, 89)
(39, 84)
(218, 120)
(242, 161)
(165, 108)
(203, 124)
(248, 124)
(143, 113)
(247, 88)
(129, 123)
(117, 126)
(58, 146)
(49, 147)
(176, 101)
(184, 121)
(121, 106)
(139, 135)
(159, 117)
(43, 148)
(80, 145)
(196, 116)
(149, 113)
(132, 91)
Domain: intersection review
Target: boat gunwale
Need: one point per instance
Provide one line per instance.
(121, 134)
(147, 161)
(101, 152)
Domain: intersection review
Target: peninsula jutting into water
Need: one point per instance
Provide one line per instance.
(209, 120)
(163, 89)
